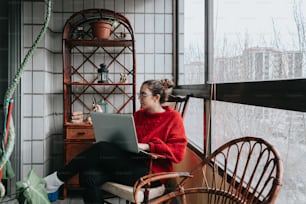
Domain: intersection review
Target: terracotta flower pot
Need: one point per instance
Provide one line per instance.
(101, 29)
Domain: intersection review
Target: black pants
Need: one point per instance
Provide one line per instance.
(104, 162)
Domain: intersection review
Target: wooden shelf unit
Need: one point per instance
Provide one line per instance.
(82, 55)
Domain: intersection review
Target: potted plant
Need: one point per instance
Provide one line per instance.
(101, 28)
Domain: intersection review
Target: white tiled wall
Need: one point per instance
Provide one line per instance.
(42, 126)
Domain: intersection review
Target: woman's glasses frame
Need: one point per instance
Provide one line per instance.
(143, 94)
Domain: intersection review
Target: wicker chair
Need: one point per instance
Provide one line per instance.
(147, 193)
(179, 103)
(245, 170)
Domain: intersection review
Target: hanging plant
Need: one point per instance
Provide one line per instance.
(33, 192)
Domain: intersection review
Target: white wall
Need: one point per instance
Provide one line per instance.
(42, 107)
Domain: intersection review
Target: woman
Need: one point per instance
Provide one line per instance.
(159, 130)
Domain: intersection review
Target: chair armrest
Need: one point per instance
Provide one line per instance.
(147, 179)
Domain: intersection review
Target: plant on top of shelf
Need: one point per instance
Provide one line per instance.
(101, 28)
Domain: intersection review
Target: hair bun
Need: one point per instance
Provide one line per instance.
(167, 84)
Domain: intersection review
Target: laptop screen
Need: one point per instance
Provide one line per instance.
(118, 129)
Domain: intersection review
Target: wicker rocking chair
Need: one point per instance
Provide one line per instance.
(246, 170)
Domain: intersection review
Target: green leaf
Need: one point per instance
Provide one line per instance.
(32, 190)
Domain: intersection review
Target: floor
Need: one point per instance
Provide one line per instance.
(76, 198)
(79, 200)
(73, 199)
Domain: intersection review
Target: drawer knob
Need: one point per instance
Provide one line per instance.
(81, 133)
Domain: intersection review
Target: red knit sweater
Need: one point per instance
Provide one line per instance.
(165, 134)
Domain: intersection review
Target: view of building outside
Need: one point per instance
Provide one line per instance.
(194, 30)
(259, 63)
(253, 41)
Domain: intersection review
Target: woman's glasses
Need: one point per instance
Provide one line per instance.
(143, 94)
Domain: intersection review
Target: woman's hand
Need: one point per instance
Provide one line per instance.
(143, 146)
(97, 108)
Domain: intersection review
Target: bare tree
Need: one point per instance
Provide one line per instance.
(300, 24)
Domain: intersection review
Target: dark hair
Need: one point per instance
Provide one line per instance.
(162, 87)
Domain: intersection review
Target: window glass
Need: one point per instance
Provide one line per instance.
(257, 41)
(194, 123)
(191, 70)
(191, 65)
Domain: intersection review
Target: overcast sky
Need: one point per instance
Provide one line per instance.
(235, 18)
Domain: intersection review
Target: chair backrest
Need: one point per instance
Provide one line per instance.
(179, 103)
(246, 170)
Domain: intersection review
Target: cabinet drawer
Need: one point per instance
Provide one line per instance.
(80, 133)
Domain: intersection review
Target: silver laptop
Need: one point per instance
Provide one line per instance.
(118, 129)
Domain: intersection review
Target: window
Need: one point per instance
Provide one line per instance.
(258, 41)
(194, 123)
(191, 67)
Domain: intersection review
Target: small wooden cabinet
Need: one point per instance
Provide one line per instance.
(78, 138)
(83, 54)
